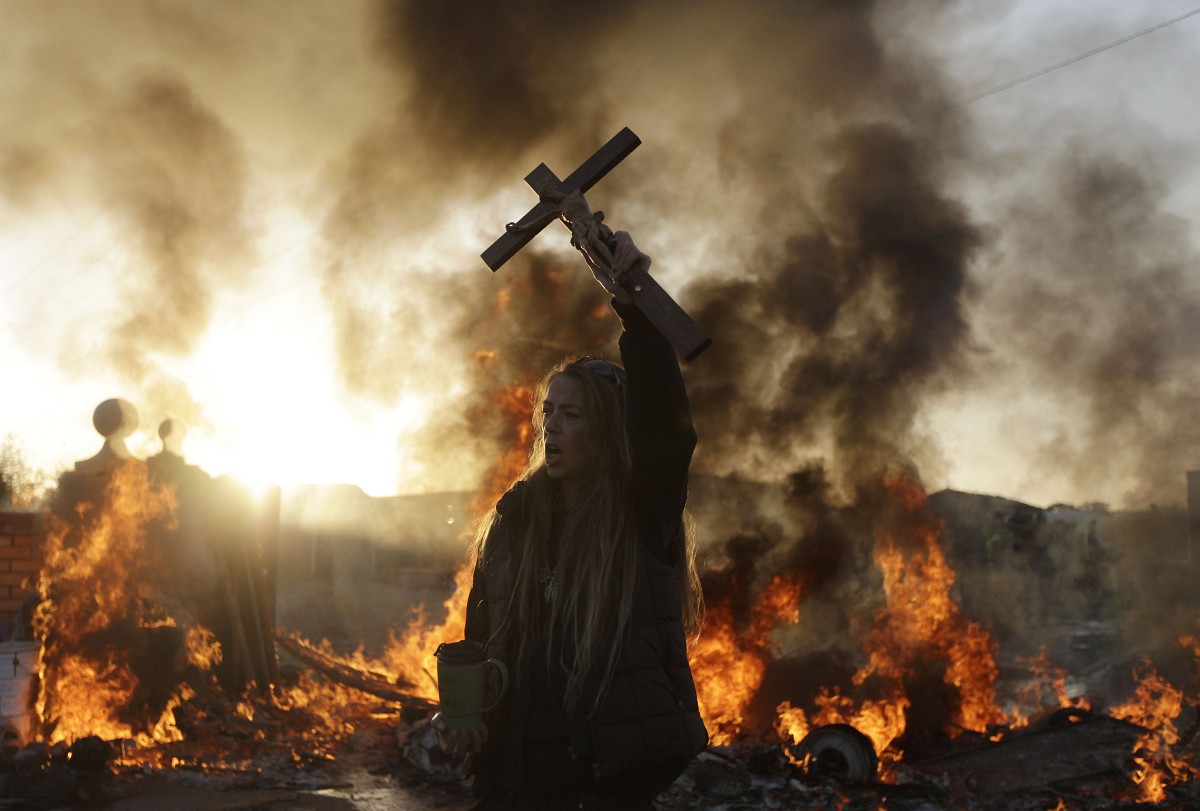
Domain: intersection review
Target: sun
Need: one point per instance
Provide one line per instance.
(274, 410)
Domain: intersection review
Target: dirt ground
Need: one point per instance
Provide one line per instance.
(361, 792)
(375, 777)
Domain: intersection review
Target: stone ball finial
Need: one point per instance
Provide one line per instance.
(172, 433)
(115, 418)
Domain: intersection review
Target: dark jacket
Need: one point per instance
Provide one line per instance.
(649, 713)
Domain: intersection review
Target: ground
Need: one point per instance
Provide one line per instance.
(374, 776)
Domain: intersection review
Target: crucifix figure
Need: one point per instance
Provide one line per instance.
(563, 200)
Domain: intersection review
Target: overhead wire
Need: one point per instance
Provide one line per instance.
(83, 268)
(58, 248)
(1037, 74)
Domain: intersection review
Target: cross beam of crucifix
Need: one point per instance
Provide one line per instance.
(563, 199)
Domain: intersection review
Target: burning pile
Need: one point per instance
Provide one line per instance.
(130, 679)
(919, 633)
(924, 695)
(1156, 705)
(122, 661)
(927, 675)
(114, 663)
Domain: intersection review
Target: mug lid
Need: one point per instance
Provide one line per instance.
(463, 652)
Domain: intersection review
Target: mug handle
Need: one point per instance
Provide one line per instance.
(496, 663)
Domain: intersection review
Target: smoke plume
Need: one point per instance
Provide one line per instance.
(1106, 320)
(173, 177)
(809, 185)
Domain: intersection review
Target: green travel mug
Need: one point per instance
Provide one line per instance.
(462, 682)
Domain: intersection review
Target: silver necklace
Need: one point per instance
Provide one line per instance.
(549, 581)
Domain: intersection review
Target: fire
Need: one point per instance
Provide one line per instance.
(410, 655)
(919, 623)
(728, 661)
(100, 600)
(1155, 705)
(881, 721)
(921, 618)
(325, 703)
(100, 574)
(1046, 688)
(407, 660)
(725, 681)
(516, 402)
(117, 666)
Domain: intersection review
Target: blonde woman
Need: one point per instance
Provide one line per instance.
(585, 584)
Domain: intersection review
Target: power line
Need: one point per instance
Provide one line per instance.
(58, 248)
(1078, 58)
(115, 242)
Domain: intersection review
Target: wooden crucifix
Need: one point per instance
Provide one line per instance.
(563, 200)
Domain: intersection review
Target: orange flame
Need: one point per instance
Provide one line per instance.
(1045, 689)
(516, 402)
(409, 656)
(1155, 705)
(882, 721)
(921, 618)
(920, 622)
(728, 663)
(98, 583)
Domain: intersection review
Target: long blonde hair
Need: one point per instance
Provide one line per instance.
(597, 562)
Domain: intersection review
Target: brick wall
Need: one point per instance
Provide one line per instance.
(20, 559)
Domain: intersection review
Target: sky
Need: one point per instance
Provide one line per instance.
(264, 220)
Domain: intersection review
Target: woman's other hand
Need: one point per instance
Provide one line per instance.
(457, 742)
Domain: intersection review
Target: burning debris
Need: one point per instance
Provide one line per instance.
(931, 717)
(152, 649)
(912, 704)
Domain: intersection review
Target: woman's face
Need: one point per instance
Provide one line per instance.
(564, 428)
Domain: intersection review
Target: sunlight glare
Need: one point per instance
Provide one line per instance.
(271, 389)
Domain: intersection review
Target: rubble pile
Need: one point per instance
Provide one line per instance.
(1069, 761)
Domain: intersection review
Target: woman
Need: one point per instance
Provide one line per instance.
(585, 582)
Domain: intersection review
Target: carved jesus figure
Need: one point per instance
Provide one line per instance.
(589, 235)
